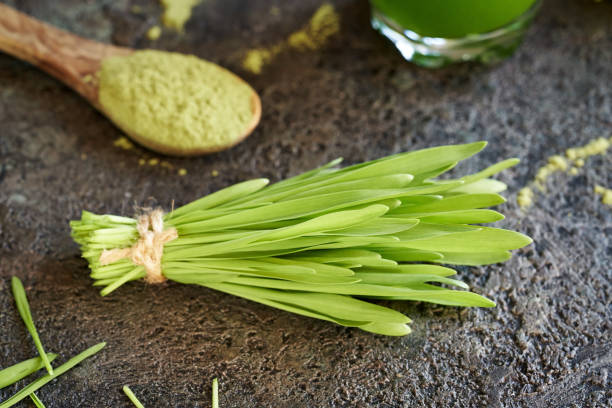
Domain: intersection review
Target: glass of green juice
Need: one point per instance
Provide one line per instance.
(434, 33)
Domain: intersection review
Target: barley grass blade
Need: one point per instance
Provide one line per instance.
(14, 373)
(24, 310)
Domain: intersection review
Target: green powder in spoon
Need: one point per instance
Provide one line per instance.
(175, 103)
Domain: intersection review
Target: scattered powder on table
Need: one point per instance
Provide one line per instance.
(153, 162)
(525, 197)
(571, 162)
(124, 143)
(606, 194)
(182, 172)
(154, 33)
(177, 12)
(555, 163)
(176, 101)
(324, 23)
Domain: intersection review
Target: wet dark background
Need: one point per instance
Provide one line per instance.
(546, 344)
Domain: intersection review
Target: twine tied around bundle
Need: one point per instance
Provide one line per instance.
(149, 248)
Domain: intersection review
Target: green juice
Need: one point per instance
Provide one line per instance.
(452, 18)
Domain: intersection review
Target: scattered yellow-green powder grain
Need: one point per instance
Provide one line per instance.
(154, 33)
(177, 12)
(175, 103)
(606, 194)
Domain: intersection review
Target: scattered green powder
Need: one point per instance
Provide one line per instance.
(175, 103)
(606, 194)
(597, 146)
(182, 172)
(177, 12)
(555, 163)
(573, 160)
(324, 23)
(256, 59)
(153, 162)
(214, 173)
(154, 33)
(525, 197)
(142, 162)
(124, 143)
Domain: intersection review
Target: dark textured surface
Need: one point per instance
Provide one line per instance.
(546, 344)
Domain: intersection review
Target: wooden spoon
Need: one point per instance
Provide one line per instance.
(75, 61)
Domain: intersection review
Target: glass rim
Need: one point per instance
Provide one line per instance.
(439, 41)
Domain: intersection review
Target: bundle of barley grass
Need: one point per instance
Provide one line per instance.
(319, 243)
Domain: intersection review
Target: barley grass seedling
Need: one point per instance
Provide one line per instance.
(321, 243)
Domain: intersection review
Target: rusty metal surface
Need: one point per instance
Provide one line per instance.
(546, 344)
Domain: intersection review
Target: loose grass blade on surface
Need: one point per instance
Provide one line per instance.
(14, 373)
(132, 397)
(24, 310)
(321, 243)
(37, 384)
(215, 393)
(36, 401)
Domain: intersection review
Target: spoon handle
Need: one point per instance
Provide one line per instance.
(69, 58)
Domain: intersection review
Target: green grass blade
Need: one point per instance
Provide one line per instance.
(401, 279)
(14, 373)
(215, 393)
(425, 230)
(387, 329)
(473, 258)
(329, 222)
(447, 298)
(132, 397)
(418, 269)
(452, 203)
(483, 240)
(379, 226)
(484, 186)
(220, 197)
(490, 171)
(409, 255)
(36, 401)
(24, 310)
(416, 162)
(37, 384)
(391, 328)
(336, 306)
(475, 216)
